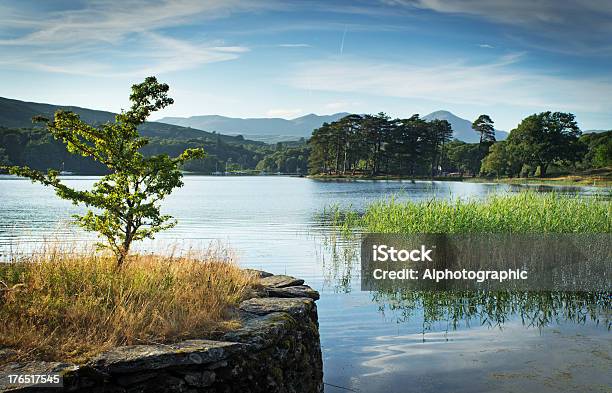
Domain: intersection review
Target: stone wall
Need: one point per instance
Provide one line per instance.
(276, 349)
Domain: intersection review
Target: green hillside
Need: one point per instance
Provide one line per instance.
(18, 114)
(25, 143)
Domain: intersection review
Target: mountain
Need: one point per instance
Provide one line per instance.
(18, 114)
(276, 129)
(256, 128)
(462, 129)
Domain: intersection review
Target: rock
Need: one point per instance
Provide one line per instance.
(199, 379)
(216, 365)
(255, 292)
(263, 306)
(262, 331)
(134, 379)
(258, 273)
(281, 281)
(295, 291)
(135, 358)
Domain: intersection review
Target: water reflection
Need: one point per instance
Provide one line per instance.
(452, 309)
(493, 309)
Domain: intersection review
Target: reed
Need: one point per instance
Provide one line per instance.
(527, 212)
(68, 306)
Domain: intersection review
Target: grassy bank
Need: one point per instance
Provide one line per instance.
(526, 212)
(596, 177)
(382, 177)
(67, 306)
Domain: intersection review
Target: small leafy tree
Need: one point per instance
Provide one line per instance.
(127, 200)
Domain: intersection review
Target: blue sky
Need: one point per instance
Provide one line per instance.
(268, 58)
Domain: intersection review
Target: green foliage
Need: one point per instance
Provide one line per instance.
(285, 160)
(37, 149)
(527, 212)
(18, 114)
(602, 155)
(20, 144)
(484, 126)
(598, 150)
(375, 144)
(4, 160)
(350, 146)
(463, 157)
(548, 140)
(545, 138)
(127, 199)
(502, 160)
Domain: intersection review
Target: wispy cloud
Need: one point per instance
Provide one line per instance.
(156, 55)
(458, 82)
(486, 46)
(577, 25)
(112, 20)
(520, 12)
(77, 41)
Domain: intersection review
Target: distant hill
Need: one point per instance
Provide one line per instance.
(462, 129)
(594, 131)
(276, 129)
(267, 129)
(18, 114)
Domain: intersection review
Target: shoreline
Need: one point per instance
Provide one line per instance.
(565, 180)
(604, 181)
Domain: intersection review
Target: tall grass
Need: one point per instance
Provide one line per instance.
(65, 306)
(527, 212)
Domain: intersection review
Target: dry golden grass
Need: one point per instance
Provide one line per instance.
(69, 306)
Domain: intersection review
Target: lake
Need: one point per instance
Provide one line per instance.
(371, 342)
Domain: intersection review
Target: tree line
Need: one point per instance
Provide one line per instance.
(359, 145)
(547, 139)
(38, 149)
(377, 144)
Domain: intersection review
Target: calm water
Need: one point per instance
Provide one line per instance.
(371, 342)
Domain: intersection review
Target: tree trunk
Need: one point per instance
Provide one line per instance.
(433, 166)
(127, 242)
(120, 259)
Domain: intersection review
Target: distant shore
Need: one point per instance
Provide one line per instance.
(598, 178)
(602, 178)
(566, 180)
